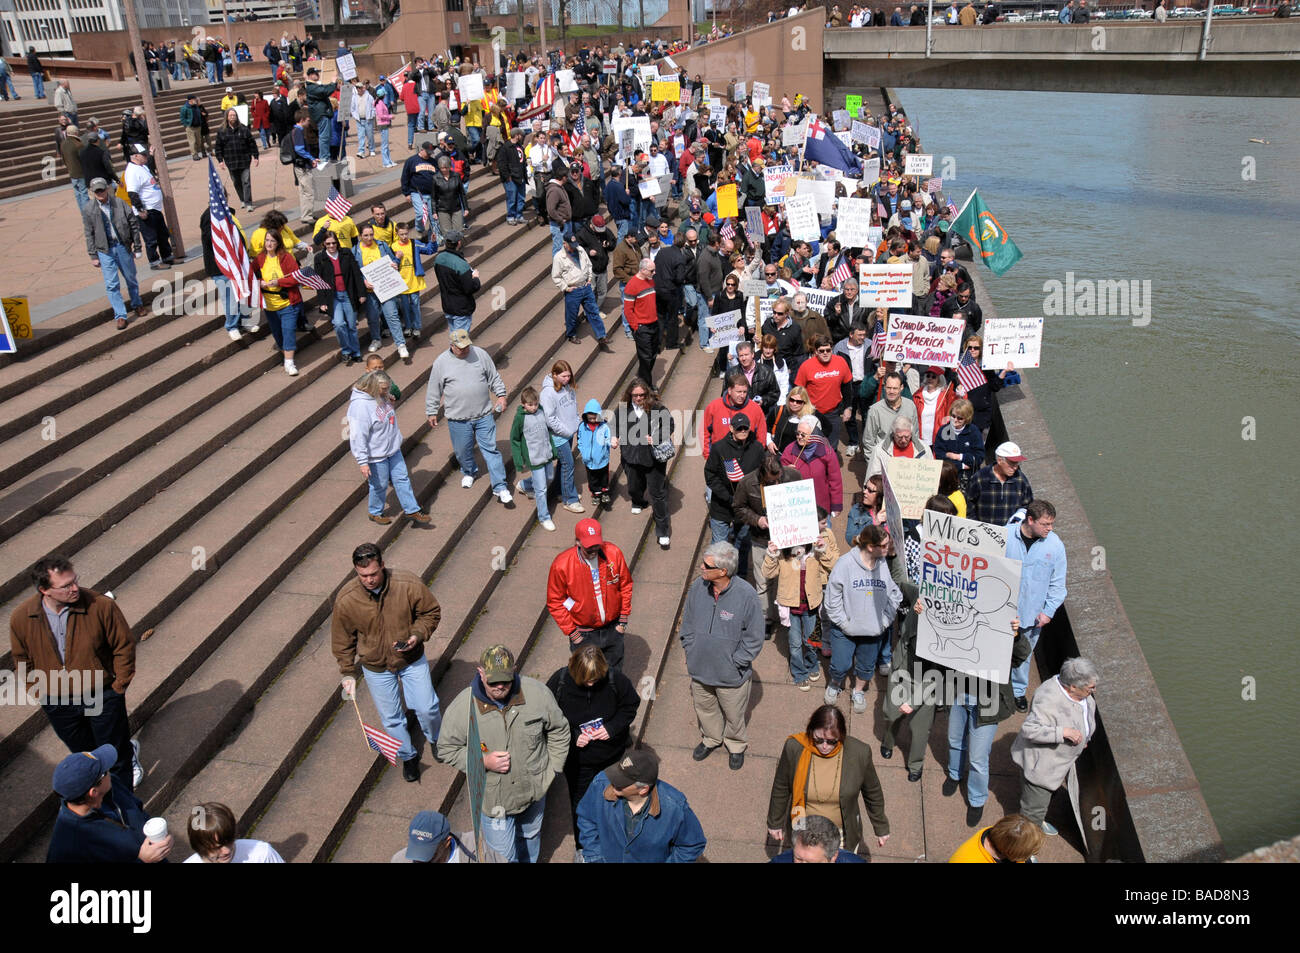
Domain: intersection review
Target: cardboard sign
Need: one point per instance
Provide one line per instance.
(968, 600)
(853, 105)
(754, 224)
(567, 84)
(913, 482)
(840, 118)
(665, 91)
(740, 92)
(753, 287)
(885, 286)
(794, 135)
(854, 222)
(387, 280)
(969, 534)
(801, 210)
(347, 66)
(869, 135)
(727, 201)
(516, 86)
(893, 512)
(649, 74)
(1017, 341)
(470, 87)
(924, 340)
(639, 126)
(918, 165)
(791, 513)
(649, 188)
(724, 329)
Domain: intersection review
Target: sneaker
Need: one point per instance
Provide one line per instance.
(519, 488)
(803, 686)
(505, 497)
(548, 526)
(402, 352)
(816, 676)
(859, 702)
(235, 335)
(1022, 703)
(374, 347)
(949, 786)
(575, 507)
(252, 328)
(467, 481)
(291, 368)
(849, 452)
(1048, 829)
(974, 815)
(137, 769)
(636, 510)
(664, 542)
(606, 500)
(884, 668)
(831, 695)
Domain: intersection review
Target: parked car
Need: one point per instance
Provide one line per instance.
(1048, 14)
(1228, 10)
(1185, 12)
(1264, 9)
(1015, 18)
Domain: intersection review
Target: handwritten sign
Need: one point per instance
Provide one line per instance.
(649, 188)
(853, 105)
(854, 222)
(762, 91)
(913, 482)
(774, 177)
(893, 512)
(791, 513)
(649, 74)
(665, 91)
(724, 329)
(516, 86)
(754, 224)
(918, 165)
(801, 210)
(740, 92)
(470, 87)
(386, 280)
(728, 206)
(793, 135)
(968, 600)
(1018, 341)
(824, 193)
(924, 340)
(969, 534)
(871, 172)
(717, 114)
(885, 286)
(840, 118)
(347, 65)
(753, 287)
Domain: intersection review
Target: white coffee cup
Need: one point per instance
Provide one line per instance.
(155, 829)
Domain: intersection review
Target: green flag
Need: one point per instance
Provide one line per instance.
(987, 238)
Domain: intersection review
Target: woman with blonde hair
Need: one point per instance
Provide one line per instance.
(376, 444)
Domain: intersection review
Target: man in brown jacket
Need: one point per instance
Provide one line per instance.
(382, 619)
(74, 652)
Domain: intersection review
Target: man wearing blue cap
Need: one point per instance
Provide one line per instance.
(431, 842)
(96, 824)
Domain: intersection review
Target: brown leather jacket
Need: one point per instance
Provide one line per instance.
(98, 640)
(364, 628)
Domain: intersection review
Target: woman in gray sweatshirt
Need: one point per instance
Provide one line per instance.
(376, 444)
(560, 405)
(861, 600)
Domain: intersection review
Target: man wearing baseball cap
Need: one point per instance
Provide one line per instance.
(112, 236)
(95, 823)
(523, 741)
(430, 841)
(629, 816)
(589, 593)
(147, 198)
(998, 490)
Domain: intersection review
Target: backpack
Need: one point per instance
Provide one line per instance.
(287, 155)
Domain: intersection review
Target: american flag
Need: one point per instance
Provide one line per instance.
(952, 209)
(880, 210)
(382, 742)
(580, 124)
(842, 273)
(424, 213)
(308, 278)
(337, 206)
(734, 473)
(543, 99)
(934, 185)
(728, 230)
(878, 340)
(969, 375)
(228, 245)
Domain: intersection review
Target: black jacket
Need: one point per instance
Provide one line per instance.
(512, 164)
(840, 323)
(671, 273)
(974, 313)
(613, 699)
(96, 164)
(353, 280)
(235, 146)
(584, 201)
(789, 342)
(748, 454)
(709, 272)
(446, 193)
(764, 388)
(598, 244)
(456, 282)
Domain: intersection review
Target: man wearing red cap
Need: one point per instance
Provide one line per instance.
(589, 593)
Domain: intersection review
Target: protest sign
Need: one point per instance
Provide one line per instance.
(609, 67)
(1017, 341)
(640, 129)
(858, 132)
(516, 86)
(668, 61)
(885, 286)
(875, 235)
(470, 87)
(684, 97)
(475, 771)
(740, 92)
(913, 482)
(386, 281)
(846, 138)
(893, 513)
(824, 193)
(567, 84)
(242, 110)
(347, 66)
(791, 513)
(871, 172)
(968, 600)
(924, 340)
(662, 91)
(762, 91)
(727, 201)
(801, 210)
(717, 114)
(754, 224)
(753, 287)
(679, 145)
(724, 329)
(840, 119)
(649, 188)
(665, 190)
(793, 135)
(818, 299)
(774, 177)
(871, 137)
(649, 74)
(969, 534)
(918, 165)
(760, 309)
(706, 94)
(854, 222)
(853, 104)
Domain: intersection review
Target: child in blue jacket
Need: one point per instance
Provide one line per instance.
(594, 444)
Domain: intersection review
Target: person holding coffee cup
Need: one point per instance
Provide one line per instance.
(97, 823)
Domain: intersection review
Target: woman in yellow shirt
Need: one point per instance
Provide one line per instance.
(367, 252)
(274, 222)
(281, 301)
(408, 253)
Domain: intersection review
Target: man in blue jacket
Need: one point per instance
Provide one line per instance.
(96, 824)
(1042, 580)
(629, 816)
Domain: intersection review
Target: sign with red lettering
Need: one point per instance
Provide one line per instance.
(922, 340)
(885, 286)
(968, 600)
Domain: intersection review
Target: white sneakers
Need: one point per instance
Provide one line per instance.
(467, 481)
(519, 488)
(831, 695)
(859, 702)
(548, 526)
(850, 451)
(235, 335)
(636, 510)
(137, 769)
(374, 347)
(291, 368)
(505, 497)
(664, 542)
(575, 507)
(402, 352)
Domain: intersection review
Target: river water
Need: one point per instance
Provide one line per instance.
(1150, 419)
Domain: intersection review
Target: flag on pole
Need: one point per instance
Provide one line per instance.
(841, 273)
(878, 340)
(978, 226)
(228, 244)
(728, 229)
(382, 742)
(397, 78)
(544, 98)
(308, 278)
(337, 206)
(822, 147)
(969, 375)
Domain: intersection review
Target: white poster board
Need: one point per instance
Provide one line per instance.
(918, 165)
(724, 329)
(347, 66)
(854, 222)
(871, 171)
(885, 286)
(922, 340)
(969, 534)
(640, 127)
(649, 73)
(762, 91)
(740, 92)
(818, 298)
(649, 188)
(470, 87)
(242, 112)
(824, 194)
(516, 86)
(1017, 341)
(794, 135)
(791, 513)
(840, 119)
(774, 177)
(801, 210)
(968, 600)
(387, 280)
(564, 77)
(717, 114)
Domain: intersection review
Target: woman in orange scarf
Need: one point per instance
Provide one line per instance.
(822, 771)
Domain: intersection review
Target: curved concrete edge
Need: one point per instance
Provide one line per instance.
(1139, 796)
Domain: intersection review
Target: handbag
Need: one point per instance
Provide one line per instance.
(664, 451)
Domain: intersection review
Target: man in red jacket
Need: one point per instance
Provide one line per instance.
(589, 593)
(642, 316)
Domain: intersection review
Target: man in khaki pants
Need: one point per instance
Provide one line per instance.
(722, 634)
(303, 164)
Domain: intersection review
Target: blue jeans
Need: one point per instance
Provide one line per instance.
(803, 658)
(536, 484)
(483, 431)
(229, 301)
(459, 322)
(622, 290)
(417, 688)
(624, 227)
(516, 837)
(412, 120)
(408, 308)
(420, 205)
(966, 737)
(557, 237)
(722, 531)
(425, 119)
(474, 134)
(365, 128)
(583, 298)
(374, 308)
(118, 257)
(345, 324)
(211, 70)
(848, 652)
(564, 454)
(38, 83)
(1020, 674)
(392, 470)
(7, 87)
(284, 326)
(691, 295)
(384, 155)
(514, 201)
(79, 191)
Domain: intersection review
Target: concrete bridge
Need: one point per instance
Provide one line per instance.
(1255, 57)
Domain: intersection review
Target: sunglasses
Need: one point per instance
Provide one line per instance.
(794, 400)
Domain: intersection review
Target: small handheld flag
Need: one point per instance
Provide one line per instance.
(308, 278)
(337, 206)
(969, 375)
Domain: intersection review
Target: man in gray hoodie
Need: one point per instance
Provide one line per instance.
(722, 634)
(462, 383)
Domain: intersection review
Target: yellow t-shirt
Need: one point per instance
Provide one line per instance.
(345, 231)
(958, 500)
(474, 113)
(405, 252)
(229, 102)
(385, 233)
(973, 851)
(257, 241)
(271, 271)
(751, 121)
